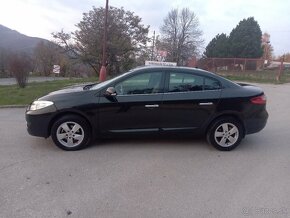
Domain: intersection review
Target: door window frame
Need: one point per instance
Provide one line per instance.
(167, 82)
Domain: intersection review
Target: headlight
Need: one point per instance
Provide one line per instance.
(36, 105)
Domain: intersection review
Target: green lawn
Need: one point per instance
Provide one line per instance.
(265, 76)
(13, 95)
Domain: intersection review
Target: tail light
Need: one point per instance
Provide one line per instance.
(262, 99)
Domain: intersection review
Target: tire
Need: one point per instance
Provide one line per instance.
(225, 133)
(71, 133)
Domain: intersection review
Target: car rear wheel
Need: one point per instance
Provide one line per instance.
(225, 134)
(71, 133)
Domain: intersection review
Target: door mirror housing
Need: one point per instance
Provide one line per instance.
(111, 91)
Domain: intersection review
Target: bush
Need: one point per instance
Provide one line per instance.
(20, 66)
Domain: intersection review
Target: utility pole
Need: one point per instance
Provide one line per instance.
(103, 71)
(153, 45)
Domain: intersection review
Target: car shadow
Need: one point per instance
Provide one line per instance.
(172, 141)
(152, 141)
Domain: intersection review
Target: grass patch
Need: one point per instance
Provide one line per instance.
(257, 76)
(13, 95)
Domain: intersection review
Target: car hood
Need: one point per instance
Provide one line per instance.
(67, 90)
(71, 89)
(77, 93)
(74, 88)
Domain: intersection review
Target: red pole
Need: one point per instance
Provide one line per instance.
(103, 71)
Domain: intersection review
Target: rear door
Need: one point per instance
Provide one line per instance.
(189, 100)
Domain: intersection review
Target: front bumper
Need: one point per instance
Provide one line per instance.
(38, 125)
(38, 121)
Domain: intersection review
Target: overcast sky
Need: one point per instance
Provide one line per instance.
(40, 18)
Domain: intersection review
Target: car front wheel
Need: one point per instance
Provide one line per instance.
(225, 134)
(71, 133)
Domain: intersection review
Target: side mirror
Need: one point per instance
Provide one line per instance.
(111, 91)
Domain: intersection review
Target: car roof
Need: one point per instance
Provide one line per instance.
(177, 68)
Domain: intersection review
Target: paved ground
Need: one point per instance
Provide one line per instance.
(148, 178)
(11, 81)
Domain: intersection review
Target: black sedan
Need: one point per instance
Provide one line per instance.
(151, 100)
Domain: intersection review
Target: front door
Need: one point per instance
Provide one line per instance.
(136, 107)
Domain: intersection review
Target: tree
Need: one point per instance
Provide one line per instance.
(285, 57)
(181, 36)
(47, 54)
(245, 40)
(218, 47)
(45, 57)
(267, 47)
(4, 55)
(126, 38)
(20, 65)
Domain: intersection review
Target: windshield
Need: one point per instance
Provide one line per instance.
(102, 84)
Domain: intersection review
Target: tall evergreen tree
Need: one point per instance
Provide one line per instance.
(218, 47)
(245, 39)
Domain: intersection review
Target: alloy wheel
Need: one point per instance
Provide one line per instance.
(226, 134)
(70, 134)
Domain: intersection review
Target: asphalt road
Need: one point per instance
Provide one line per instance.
(148, 178)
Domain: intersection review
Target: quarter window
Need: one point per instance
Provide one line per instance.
(211, 84)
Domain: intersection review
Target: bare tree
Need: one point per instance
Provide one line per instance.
(181, 36)
(46, 55)
(267, 47)
(4, 58)
(286, 57)
(20, 65)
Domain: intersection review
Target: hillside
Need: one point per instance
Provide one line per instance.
(14, 41)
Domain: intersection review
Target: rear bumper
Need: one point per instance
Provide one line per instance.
(257, 123)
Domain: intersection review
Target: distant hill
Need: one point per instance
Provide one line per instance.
(14, 41)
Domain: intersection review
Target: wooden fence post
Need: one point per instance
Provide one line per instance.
(280, 69)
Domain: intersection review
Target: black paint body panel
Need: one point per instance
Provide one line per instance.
(156, 112)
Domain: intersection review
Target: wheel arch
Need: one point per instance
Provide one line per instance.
(235, 116)
(65, 113)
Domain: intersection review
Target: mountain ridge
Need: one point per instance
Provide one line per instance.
(17, 42)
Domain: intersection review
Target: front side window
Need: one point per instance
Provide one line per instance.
(146, 83)
(184, 82)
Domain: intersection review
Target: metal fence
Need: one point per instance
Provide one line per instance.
(231, 64)
(247, 68)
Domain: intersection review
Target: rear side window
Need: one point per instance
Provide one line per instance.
(184, 82)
